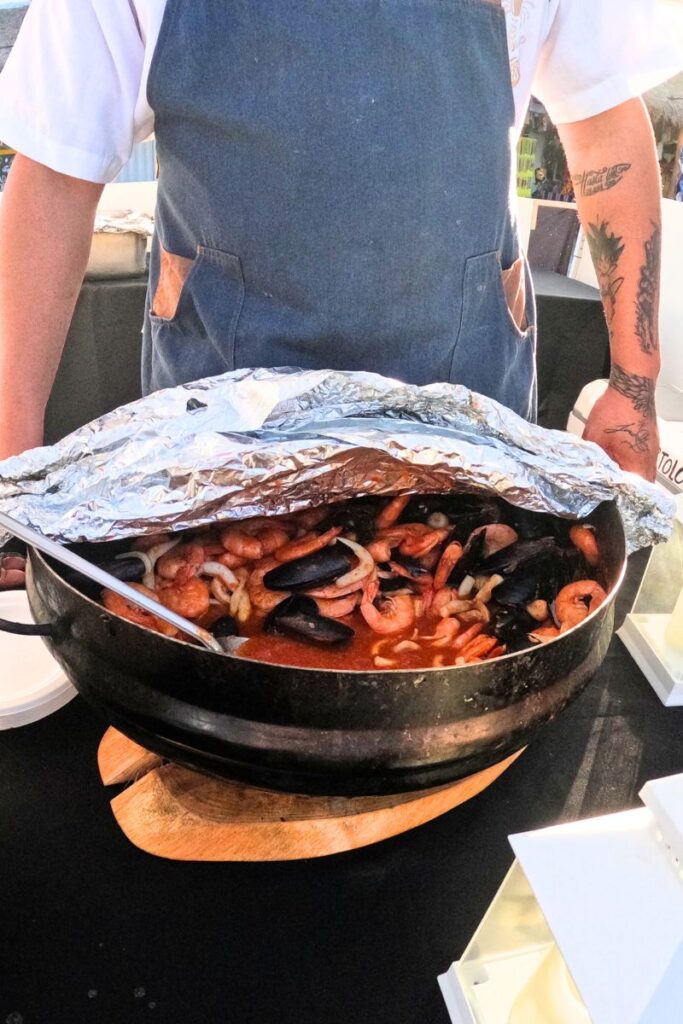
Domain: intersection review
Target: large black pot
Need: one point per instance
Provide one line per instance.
(316, 731)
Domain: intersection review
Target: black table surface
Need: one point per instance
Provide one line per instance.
(94, 930)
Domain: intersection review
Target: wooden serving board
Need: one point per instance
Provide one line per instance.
(173, 812)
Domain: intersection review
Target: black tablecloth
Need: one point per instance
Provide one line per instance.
(94, 930)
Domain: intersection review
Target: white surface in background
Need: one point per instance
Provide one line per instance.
(32, 684)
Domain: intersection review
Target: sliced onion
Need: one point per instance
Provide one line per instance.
(466, 587)
(219, 571)
(220, 592)
(154, 554)
(364, 568)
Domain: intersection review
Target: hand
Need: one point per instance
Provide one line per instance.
(627, 436)
(12, 572)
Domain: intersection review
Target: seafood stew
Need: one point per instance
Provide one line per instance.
(410, 582)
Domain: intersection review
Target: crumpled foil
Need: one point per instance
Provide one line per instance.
(260, 442)
(124, 222)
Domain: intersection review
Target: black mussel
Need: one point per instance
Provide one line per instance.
(521, 588)
(298, 617)
(514, 556)
(463, 511)
(395, 584)
(357, 522)
(533, 525)
(316, 570)
(507, 622)
(472, 558)
(128, 570)
(411, 564)
(224, 627)
(512, 626)
(542, 576)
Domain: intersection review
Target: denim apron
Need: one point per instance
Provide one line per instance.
(335, 178)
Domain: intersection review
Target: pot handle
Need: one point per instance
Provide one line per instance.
(28, 628)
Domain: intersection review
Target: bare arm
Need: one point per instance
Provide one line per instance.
(613, 163)
(46, 223)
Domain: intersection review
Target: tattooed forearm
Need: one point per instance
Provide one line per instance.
(640, 391)
(591, 182)
(606, 250)
(637, 436)
(648, 288)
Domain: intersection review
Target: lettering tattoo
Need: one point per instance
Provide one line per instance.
(637, 436)
(640, 391)
(606, 250)
(648, 289)
(591, 182)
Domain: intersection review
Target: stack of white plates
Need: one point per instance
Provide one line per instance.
(32, 684)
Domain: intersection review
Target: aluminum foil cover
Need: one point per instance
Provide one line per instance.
(123, 222)
(258, 442)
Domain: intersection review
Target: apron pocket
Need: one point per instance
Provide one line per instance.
(202, 300)
(492, 355)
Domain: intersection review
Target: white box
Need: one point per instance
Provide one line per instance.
(587, 928)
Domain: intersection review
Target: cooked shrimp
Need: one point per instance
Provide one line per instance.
(479, 648)
(121, 606)
(449, 559)
(392, 511)
(271, 538)
(394, 615)
(309, 518)
(331, 592)
(497, 652)
(583, 538)
(190, 598)
(337, 609)
(544, 633)
(465, 638)
(306, 545)
(230, 560)
(181, 563)
(259, 595)
(240, 543)
(575, 602)
(441, 598)
(416, 545)
(445, 633)
(380, 550)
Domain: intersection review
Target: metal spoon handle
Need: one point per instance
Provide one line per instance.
(93, 572)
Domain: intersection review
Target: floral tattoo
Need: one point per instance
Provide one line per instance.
(606, 249)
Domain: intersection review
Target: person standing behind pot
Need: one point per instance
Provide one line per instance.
(321, 200)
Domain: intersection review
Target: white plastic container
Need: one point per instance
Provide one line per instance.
(32, 683)
(587, 928)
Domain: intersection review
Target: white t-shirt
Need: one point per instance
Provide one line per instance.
(73, 94)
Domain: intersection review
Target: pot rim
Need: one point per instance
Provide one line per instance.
(381, 673)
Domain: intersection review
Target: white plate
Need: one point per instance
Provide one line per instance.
(32, 684)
